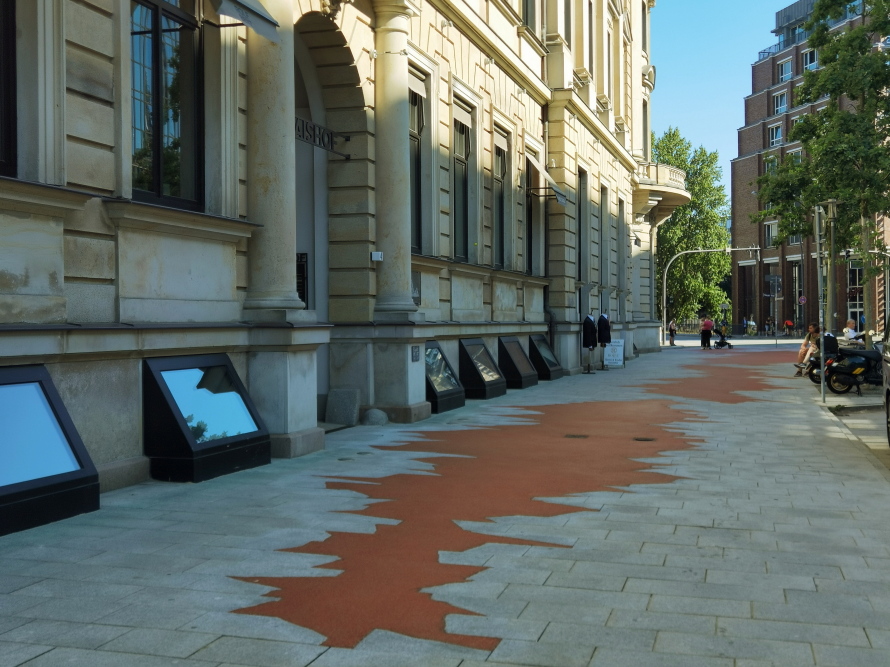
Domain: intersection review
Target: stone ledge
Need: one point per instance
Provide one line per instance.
(124, 472)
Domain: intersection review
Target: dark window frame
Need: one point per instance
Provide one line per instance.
(163, 9)
(416, 127)
(499, 208)
(461, 199)
(8, 122)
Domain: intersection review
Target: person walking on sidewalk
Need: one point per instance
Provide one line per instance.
(672, 331)
(707, 326)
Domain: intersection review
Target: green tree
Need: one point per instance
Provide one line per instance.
(694, 281)
(846, 155)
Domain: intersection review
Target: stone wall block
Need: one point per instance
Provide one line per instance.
(91, 167)
(89, 120)
(350, 256)
(352, 283)
(87, 257)
(351, 309)
(351, 201)
(89, 29)
(352, 173)
(351, 228)
(89, 74)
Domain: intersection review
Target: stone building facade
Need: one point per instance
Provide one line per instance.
(770, 113)
(316, 191)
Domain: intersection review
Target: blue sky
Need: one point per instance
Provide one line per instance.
(703, 51)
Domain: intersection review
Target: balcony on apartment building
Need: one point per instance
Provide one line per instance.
(661, 188)
(790, 20)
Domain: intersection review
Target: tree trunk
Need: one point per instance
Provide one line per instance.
(868, 306)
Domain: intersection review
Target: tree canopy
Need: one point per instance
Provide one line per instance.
(693, 284)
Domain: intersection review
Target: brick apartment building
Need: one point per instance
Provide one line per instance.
(770, 113)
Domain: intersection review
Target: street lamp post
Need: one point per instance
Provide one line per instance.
(664, 277)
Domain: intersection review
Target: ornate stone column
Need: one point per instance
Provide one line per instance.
(394, 302)
(271, 171)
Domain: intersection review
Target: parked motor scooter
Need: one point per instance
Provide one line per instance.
(828, 344)
(853, 367)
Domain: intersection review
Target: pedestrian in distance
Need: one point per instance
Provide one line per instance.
(807, 348)
(672, 331)
(707, 326)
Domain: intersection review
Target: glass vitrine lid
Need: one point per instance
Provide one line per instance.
(32, 443)
(483, 361)
(546, 353)
(517, 354)
(209, 402)
(439, 372)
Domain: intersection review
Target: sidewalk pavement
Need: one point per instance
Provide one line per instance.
(701, 509)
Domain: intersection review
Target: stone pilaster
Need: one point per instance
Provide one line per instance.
(394, 302)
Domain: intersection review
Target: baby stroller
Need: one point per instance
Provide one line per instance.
(721, 340)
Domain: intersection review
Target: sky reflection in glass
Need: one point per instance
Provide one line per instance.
(32, 444)
(209, 402)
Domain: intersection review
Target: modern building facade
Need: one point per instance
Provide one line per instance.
(787, 271)
(316, 191)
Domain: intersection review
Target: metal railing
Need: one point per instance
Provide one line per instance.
(801, 36)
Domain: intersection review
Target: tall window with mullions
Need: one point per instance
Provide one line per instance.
(461, 161)
(499, 204)
(7, 89)
(166, 95)
(415, 129)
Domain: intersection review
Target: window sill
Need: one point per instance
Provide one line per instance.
(150, 217)
(39, 198)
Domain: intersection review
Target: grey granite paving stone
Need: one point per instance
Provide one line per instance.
(75, 657)
(512, 575)
(576, 634)
(12, 654)
(639, 571)
(762, 591)
(502, 628)
(651, 620)
(64, 633)
(576, 596)
(255, 627)
(65, 609)
(384, 641)
(150, 616)
(541, 655)
(611, 657)
(153, 641)
(58, 588)
(339, 657)
(783, 652)
(842, 656)
(673, 604)
(798, 632)
(569, 613)
(258, 652)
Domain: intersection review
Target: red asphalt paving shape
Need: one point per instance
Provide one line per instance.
(498, 472)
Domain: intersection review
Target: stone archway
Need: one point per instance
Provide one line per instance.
(347, 107)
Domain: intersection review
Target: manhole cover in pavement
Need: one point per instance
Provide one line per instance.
(576, 435)
(345, 459)
(644, 439)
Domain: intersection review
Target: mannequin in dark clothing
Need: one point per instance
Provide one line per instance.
(588, 340)
(603, 330)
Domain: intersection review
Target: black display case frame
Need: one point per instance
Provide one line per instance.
(539, 351)
(511, 363)
(442, 401)
(475, 384)
(168, 442)
(43, 500)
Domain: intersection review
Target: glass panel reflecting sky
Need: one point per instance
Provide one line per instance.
(517, 354)
(209, 402)
(483, 362)
(32, 444)
(438, 371)
(546, 353)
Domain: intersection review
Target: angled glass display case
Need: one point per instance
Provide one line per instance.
(443, 390)
(479, 375)
(515, 364)
(45, 471)
(199, 422)
(543, 359)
